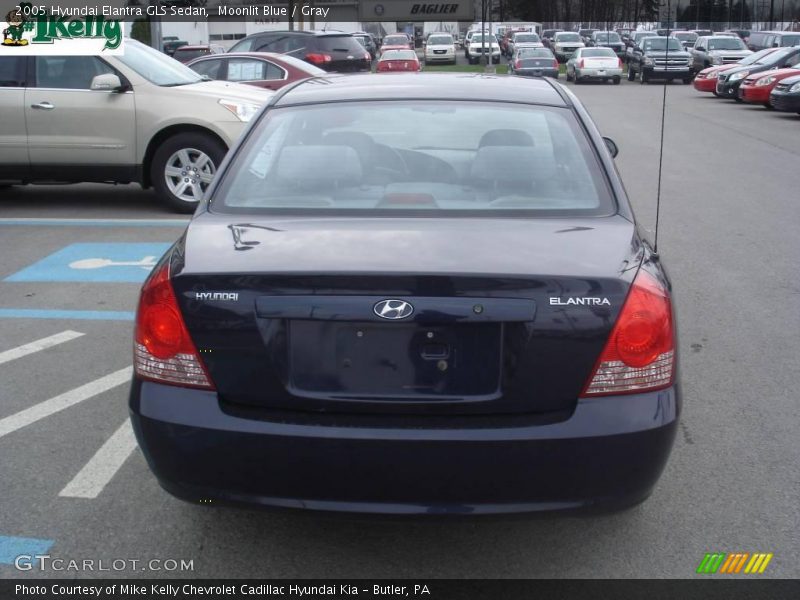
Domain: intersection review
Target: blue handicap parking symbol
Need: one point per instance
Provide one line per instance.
(95, 262)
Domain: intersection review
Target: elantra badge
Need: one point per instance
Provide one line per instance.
(393, 309)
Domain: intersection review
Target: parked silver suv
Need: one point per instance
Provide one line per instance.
(141, 117)
(717, 50)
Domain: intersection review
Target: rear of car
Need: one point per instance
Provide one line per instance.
(429, 306)
(534, 62)
(339, 52)
(483, 46)
(398, 60)
(440, 48)
(595, 63)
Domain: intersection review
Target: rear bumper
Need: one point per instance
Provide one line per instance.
(607, 455)
(536, 73)
(607, 73)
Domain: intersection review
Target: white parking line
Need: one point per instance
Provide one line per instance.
(62, 401)
(38, 345)
(96, 474)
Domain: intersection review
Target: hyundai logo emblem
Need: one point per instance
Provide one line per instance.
(393, 309)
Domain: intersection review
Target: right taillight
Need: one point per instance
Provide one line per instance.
(517, 64)
(163, 351)
(640, 352)
(318, 58)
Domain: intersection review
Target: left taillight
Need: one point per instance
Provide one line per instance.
(163, 350)
(639, 355)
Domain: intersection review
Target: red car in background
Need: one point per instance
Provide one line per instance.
(393, 61)
(261, 69)
(756, 88)
(396, 41)
(706, 80)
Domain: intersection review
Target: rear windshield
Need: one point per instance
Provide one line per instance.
(338, 43)
(399, 55)
(729, 43)
(597, 52)
(686, 36)
(608, 38)
(395, 40)
(409, 157)
(526, 37)
(534, 53)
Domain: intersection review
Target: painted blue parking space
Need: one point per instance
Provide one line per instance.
(12, 547)
(95, 262)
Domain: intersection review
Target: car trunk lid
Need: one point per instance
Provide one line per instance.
(506, 316)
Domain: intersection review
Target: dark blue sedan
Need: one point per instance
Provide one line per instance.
(411, 294)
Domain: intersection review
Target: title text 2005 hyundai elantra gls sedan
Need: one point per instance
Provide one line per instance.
(410, 294)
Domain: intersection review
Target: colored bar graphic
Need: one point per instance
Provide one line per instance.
(11, 547)
(711, 562)
(730, 563)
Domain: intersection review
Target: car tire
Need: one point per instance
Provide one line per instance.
(616, 80)
(643, 78)
(192, 151)
(687, 80)
(631, 74)
(568, 76)
(768, 106)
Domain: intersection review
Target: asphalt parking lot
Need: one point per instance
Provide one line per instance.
(73, 485)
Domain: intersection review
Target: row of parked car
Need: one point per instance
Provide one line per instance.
(770, 77)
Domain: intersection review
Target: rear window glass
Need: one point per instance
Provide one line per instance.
(534, 53)
(399, 55)
(436, 158)
(395, 40)
(607, 38)
(790, 40)
(598, 53)
(338, 43)
(440, 39)
(526, 37)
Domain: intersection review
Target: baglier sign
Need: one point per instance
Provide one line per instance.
(28, 30)
(415, 10)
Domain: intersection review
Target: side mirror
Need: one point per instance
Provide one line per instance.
(612, 146)
(106, 83)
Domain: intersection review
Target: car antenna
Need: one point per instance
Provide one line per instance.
(661, 141)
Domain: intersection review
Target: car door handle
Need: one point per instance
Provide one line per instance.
(43, 106)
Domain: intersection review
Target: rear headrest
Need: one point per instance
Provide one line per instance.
(513, 164)
(315, 166)
(505, 137)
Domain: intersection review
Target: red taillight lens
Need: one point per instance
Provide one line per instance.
(517, 64)
(580, 64)
(318, 59)
(367, 56)
(640, 352)
(163, 350)
(555, 63)
(619, 62)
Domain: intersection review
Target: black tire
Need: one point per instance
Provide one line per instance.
(617, 80)
(201, 142)
(768, 106)
(569, 78)
(716, 93)
(643, 78)
(631, 74)
(687, 80)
